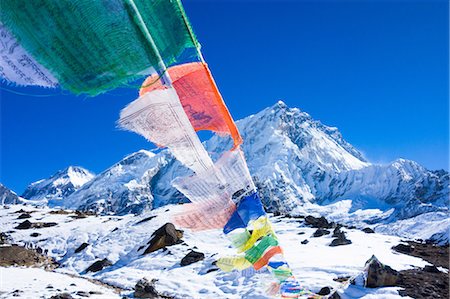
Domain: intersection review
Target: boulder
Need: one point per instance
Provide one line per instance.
(324, 291)
(380, 275)
(145, 289)
(368, 230)
(304, 242)
(99, 265)
(81, 247)
(83, 294)
(341, 239)
(192, 257)
(62, 296)
(320, 232)
(315, 222)
(24, 216)
(166, 235)
(24, 225)
(35, 234)
(337, 231)
(15, 255)
(3, 238)
(404, 248)
(27, 224)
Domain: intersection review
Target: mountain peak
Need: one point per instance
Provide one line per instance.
(59, 185)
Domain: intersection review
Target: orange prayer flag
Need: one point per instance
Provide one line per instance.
(199, 97)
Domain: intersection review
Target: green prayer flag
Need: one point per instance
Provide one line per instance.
(93, 46)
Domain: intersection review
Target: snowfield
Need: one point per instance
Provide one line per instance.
(119, 238)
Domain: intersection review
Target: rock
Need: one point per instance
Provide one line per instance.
(145, 289)
(15, 255)
(380, 275)
(368, 230)
(317, 222)
(192, 257)
(45, 224)
(27, 224)
(403, 248)
(3, 238)
(337, 231)
(334, 296)
(431, 269)
(81, 247)
(62, 296)
(99, 265)
(324, 291)
(24, 216)
(341, 239)
(340, 242)
(166, 235)
(145, 220)
(320, 232)
(35, 234)
(420, 284)
(304, 242)
(24, 225)
(435, 255)
(83, 294)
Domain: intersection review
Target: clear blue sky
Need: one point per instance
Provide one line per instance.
(377, 70)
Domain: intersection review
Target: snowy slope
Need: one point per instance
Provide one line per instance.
(119, 239)
(123, 188)
(59, 186)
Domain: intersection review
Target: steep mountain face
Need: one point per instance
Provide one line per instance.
(59, 186)
(123, 188)
(8, 197)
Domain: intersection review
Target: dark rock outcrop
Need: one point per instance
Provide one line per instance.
(304, 242)
(62, 296)
(15, 255)
(192, 257)
(83, 294)
(24, 225)
(321, 222)
(166, 235)
(99, 265)
(403, 248)
(368, 230)
(145, 289)
(3, 238)
(81, 247)
(436, 255)
(320, 232)
(24, 216)
(380, 275)
(340, 240)
(337, 231)
(27, 224)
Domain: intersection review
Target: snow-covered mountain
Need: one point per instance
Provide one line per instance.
(58, 186)
(8, 197)
(296, 162)
(125, 187)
